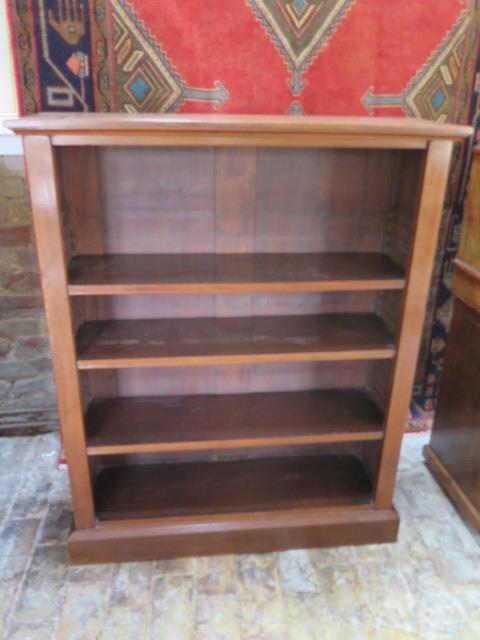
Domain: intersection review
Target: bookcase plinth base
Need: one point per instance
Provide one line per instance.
(130, 541)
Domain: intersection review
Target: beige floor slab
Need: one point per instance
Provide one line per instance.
(425, 587)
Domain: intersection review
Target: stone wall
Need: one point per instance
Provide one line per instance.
(27, 394)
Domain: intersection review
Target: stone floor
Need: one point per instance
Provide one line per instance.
(426, 586)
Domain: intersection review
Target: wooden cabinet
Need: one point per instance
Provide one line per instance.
(454, 451)
(234, 306)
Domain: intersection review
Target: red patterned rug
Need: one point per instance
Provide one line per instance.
(364, 57)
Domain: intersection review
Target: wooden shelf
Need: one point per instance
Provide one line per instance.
(210, 422)
(200, 488)
(232, 273)
(108, 344)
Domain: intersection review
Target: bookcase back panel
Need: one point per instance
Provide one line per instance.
(236, 200)
(230, 379)
(366, 452)
(190, 306)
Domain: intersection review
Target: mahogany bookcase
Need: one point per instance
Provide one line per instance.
(234, 306)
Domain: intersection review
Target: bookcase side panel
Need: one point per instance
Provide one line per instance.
(428, 215)
(47, 222)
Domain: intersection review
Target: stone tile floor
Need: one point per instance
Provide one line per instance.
(425, 586)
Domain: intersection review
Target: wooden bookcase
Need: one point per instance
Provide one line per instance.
(234, 306)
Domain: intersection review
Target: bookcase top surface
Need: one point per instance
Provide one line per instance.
(123, 124)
